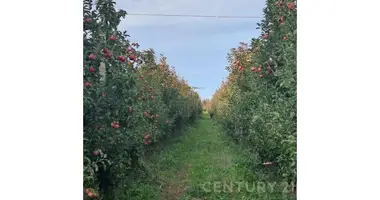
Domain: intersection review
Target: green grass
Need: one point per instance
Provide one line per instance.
(193, 165)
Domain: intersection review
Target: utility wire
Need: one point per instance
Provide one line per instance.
(197, 16)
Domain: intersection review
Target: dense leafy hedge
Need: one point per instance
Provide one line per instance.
(257, 103)
(131, 101)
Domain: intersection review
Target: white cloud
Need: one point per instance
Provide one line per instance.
(199, 7)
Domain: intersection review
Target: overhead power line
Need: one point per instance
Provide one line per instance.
(197, 16)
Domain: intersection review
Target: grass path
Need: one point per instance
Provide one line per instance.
(204, 164)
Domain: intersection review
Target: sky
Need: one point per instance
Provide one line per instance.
(196, 47)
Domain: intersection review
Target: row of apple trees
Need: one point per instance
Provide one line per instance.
(256, 104)
(131, 101)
